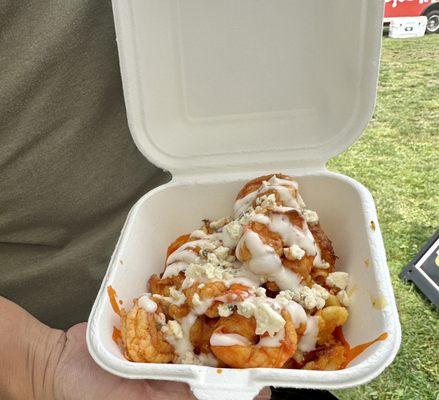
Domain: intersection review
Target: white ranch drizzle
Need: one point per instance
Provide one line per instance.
(188, 256)
(283, 187)
(292, 234)
(308, 341)
(203, 306)
(297, 313)
(147, 304)
(180, 259)
(275, 341)
(228, 339)
(242, 280)
(183, 344)
(261, 218)
(286, 279)
(318, 260)
(176, 268)
(264, 260)
(181, 253)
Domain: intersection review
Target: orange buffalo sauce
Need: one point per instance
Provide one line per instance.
(117, 335)
(112, 296)
(177, 243)
(354, 352)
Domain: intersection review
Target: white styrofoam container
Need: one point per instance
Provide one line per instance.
(407, 27)
(221, 91)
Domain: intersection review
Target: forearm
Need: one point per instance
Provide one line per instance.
(29, 353)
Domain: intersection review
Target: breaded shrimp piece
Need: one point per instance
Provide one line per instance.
(324, 243)
(329, 359)
(256, 183)
(214, 291)
(329, 318)
(200, 334)
(253, 355)
(163, 286)
(142, 339)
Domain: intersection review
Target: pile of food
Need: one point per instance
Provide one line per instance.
(251, 291)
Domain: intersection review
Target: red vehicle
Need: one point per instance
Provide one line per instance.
(414, 8)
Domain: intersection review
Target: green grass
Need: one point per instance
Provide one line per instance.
(397, 159)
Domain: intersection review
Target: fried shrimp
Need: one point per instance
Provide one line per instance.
(303, 267)
(162, 286)
(268, 237)
(206, 298)
(201, 297)
(252, 289)
(142, 339)
(181, 240)
(200, 334)
(329, 319)
(256, 183)
(267, 353)
(324, 243)
(162, 289)
(328, 359)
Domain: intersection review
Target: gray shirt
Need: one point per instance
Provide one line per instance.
(69, 170)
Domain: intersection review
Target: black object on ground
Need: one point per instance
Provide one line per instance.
(423, 270)
(300, 394)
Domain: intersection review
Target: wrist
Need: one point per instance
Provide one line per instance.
(44, 353)
(29, 353)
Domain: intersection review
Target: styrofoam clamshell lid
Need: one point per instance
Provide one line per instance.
(237, 84)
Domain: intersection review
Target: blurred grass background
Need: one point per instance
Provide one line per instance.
(397, 159)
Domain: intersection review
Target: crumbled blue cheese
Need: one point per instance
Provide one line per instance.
(320, 291)
(267, 319)
(308, 298)
(172, 330)
(311, 217)
(160, 319)
(231, 234)
(201, 359)
(294, 252)
(265, 201)
(338, 280)
(213, 266)
(284, 297)
(247, 216)
(198, 234)
(212, 258)
(323, 265)
(175, 296)
(225, 310)
(343, 298)
(246, 309)
(196, 301)
(208, 271)
(218, 224)
(188, 358)
(178, 297)
(222, 253)
(260, 291)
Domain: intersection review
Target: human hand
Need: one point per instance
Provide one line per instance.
(78, 377)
